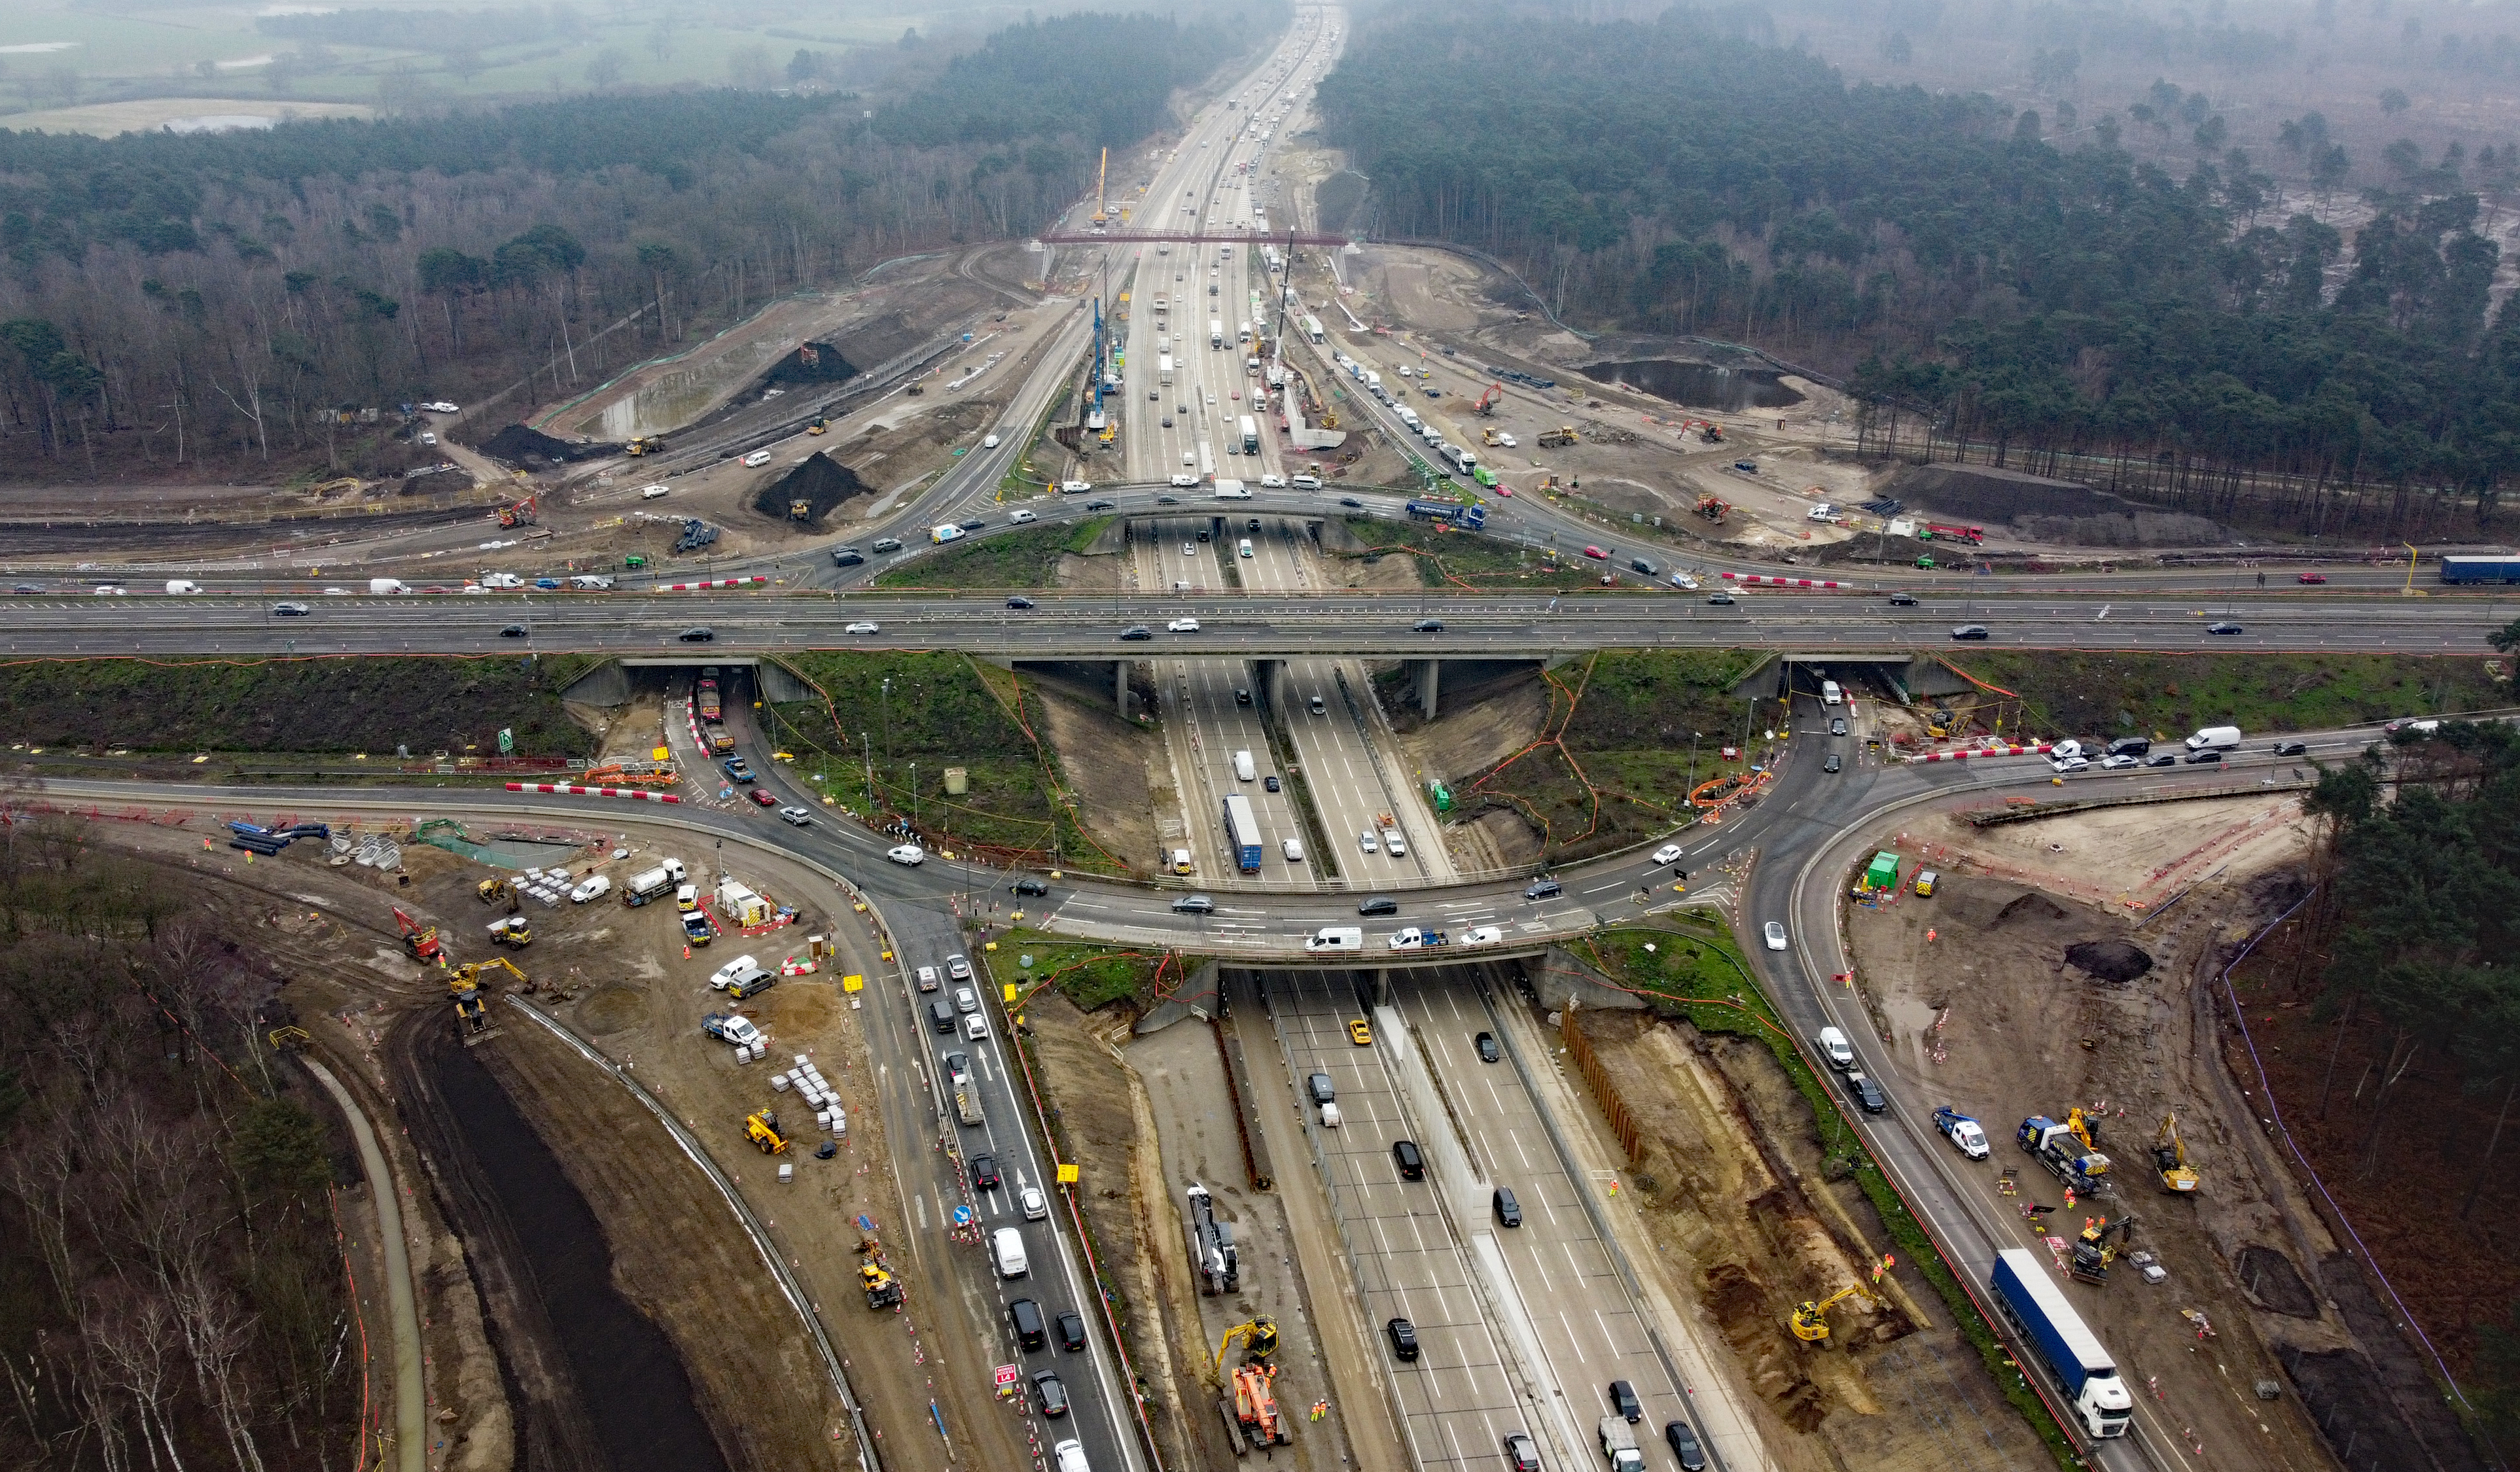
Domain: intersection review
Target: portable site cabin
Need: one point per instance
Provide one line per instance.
(1883, 872)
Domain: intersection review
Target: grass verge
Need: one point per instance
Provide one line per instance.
(1027, 559)
(1087, 975)
(2171, 695)
(1695, 971)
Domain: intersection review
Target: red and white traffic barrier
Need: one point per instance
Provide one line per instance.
(570, 789)
(1755, 580)
(2037, 749)
(749, 582)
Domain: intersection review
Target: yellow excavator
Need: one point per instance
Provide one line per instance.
(1259, 1340)
(761, 1127)
(2170, 1157)
(1810, 1322)
(2081, 1126)
(496, 890)
(464, 984)
(882, 1289)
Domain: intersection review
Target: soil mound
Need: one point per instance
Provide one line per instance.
(811, 363)
(2046, 510)
(2033, 906)
(525, 448)
(2109, 960)
(821, 482)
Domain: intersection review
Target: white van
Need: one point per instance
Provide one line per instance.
(654, 492)
(1181, 864)
(2215, 738)
(989, 442)
(1006, 1244)
(1330, 1116)
(1243, 768)
(1336, 938)
(1835, 1049)
(593, 889)
(1830, 694)
(948, 532)
(758, 458)
(179, 588)
(1244, 548)
(1294, 850)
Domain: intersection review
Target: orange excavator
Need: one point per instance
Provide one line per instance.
(523, 513)
(420, 942)
(1488, 401)
(1714, 508)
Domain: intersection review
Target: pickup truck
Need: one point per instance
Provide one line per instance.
(738, 770)
(730, 1028)
(1413, 939)
(1962, 1131)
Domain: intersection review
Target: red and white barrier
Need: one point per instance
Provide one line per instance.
(1760, 580)
(749, 582)
(571, 790)
(2037, 749)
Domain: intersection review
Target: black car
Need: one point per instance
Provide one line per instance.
(1351, 502)
(696, 636)
(985, 1172)
(846, 556)
(1194, 904)
(1269, 783)
(1137, 632)
(1543, 889)
(1720, 598)
(975, 524)
(2292, 748)
(1835, 763)
(2211, 756)
(1242, 696)
(1970, 631)
(1897, 600)
(1377, 905)
(1404, 1338)
(1509, 1211)
(1051, 1392)
(1623, 1400)
(1071, 1332)
(513, 631)
(1837, 726)
(1520, 1454)
(1486, 1043)
(1411, 1160)
(1252, 525)
(1684, 1445)
(1867, 1092)
(1167, 501)
(2166, 759)
(277, 610)
(1428, 626)
(1098, 505)
(1029, 886)
(1018, 602)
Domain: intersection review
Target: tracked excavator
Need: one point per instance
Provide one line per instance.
(1810, 1322)
(882, 1289)
(2169, 1158)
(2100, 1245)
(496, 890)
(1259, 1340)
(420, 942)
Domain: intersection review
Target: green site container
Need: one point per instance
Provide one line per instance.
(1883, 872)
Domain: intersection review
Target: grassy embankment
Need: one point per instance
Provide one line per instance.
(1026, 559)
(1087, 975)
(1695, 971)
(2172, 694)
(941, 710)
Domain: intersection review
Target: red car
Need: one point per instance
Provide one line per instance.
(762, 796)
(1595, 551)
(2312, 577)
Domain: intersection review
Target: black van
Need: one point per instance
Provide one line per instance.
(1509, 1211)
(1413, 1165)
(941, 1013)
(1029, 1329)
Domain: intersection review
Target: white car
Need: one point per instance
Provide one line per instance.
(440, 407)
(109, 590)
(1669, 853)
(1684, 580)
(975, 1027)
(1185, 482)
(1775, 933)
(1182, 626)
(1272, 482)
(2071, 763)
(758, 458)
(863, 627)
(652, 492)
(1036, 1206)
(797, 816)
(1020, 518)
(906, 854)
(428, 438)
(1075, 487)
(2119, 762)
(1368, 842)
(1507, 441)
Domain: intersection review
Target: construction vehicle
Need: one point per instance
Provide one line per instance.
(818, 426)
(420, 942)
(516, 932)
(2170, 1157)
(1251, 1414)
(882, 1289)
(1211, 1246)
(466, 980)
(800, 509)
(523, 513)
(2063, 1153)
(1102, 176)
(1711, 433)
(496, 890)
(1488, 436)
(647, 445)
(1488, 401)
(2081, 1127)
(1259, 1341)
(1714, 508)
(1969, 534)
(1810, 1322)
(291, 1039)
(2095, 1251)
(473, 1014)
(1563, 434)
(761, 1127)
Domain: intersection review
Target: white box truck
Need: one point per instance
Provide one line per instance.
(1242, 769)
(1215, 333)
(1164, 369)
(381, 587)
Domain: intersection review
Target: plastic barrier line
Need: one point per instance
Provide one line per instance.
(569, 789)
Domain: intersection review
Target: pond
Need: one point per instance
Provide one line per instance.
(1700, 385)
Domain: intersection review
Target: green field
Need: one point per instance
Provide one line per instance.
(1026, 559)
(1087, 975)
(2169, 694)
(1460, 560)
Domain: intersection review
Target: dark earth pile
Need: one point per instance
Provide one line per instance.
(821, 481)
(518, 445)
(2109, 960)
(811, 363)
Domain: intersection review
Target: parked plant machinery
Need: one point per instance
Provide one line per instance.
(647, 445)
(516, 932)
(1710, 433)
(761, 1127)
(2064, 1152)
(882, 1289)
(2170, 1157)
(818, 426)
(1259, 1339)
(1810, 1321)
(2095, 1251)
(290, 1038)
(496, 890)
(1251, 1414)
(1488, 401)
(1563, 434)
(800, 509)
(523, 513)
(1714, 508)
(420, 942)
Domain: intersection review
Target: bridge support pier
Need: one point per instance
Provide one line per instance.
(1120, 688)
(1382, 987)
(1269, 678)
(1428, 672)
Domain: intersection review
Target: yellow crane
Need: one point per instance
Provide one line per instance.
(1102, 212)
(2170, 1157)
(1259, 1338)
(1811, 1321)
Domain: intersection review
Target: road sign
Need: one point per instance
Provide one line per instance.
(1008, 1374)
(852, 982)
(1067, 1175)
(961, 1216)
